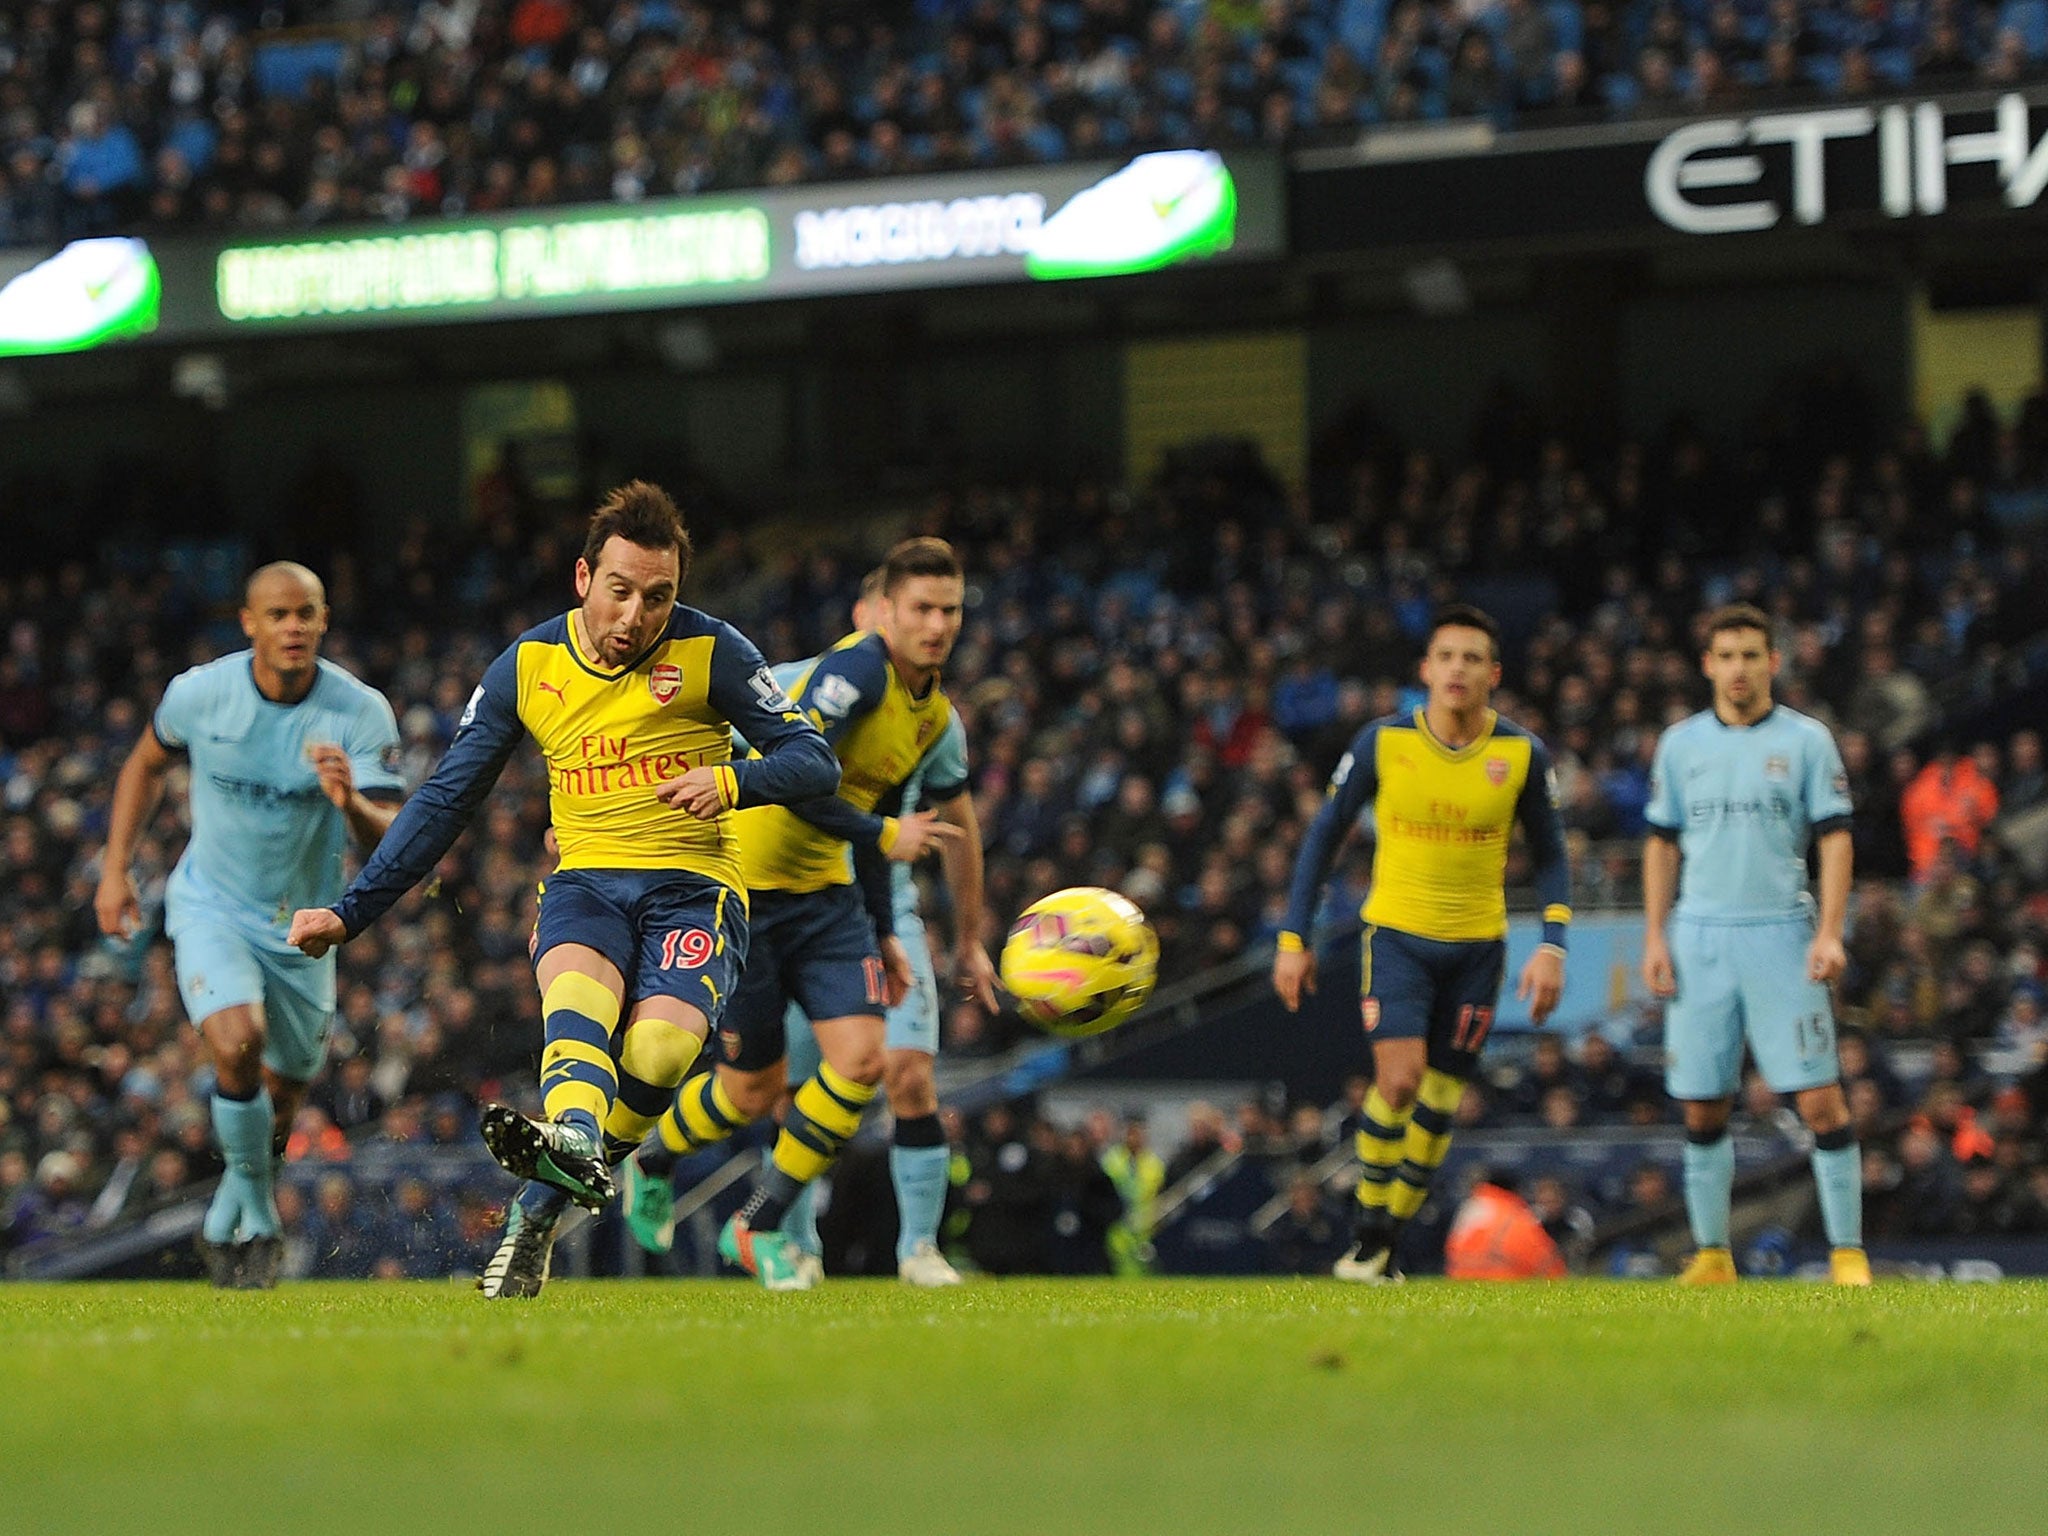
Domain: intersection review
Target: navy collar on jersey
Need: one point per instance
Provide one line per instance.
(1455, 754)
(576, 648)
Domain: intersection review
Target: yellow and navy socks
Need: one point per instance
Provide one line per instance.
(1381, 1133)
(1425, 1143)
(822, 1118)
(654, 1056)
(700, 1114)
(577, 1079)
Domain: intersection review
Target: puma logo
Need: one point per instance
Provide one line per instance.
(561, 694)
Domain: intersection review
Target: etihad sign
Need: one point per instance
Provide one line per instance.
(1913, 145)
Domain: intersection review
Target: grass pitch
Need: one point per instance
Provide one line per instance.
(1024, 1407)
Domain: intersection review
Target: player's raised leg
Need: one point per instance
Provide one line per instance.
(694, 940)
(581, 997)
(662, 1041)
(560, 1157)
(747, 1084)
(663, 1036)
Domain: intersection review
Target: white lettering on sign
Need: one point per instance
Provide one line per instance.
(892, 234)
(1914, 153)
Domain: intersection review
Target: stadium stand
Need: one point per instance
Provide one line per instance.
(1156, 681)
(303, 113)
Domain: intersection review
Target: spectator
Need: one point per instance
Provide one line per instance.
(1950, 800)
(1208, 1134)
(2025, 786)
(1496, 1236)
(1307, 1237)
(1566, 1219)
(1088, 1209)
(1548, 1069)
(1139, 1175)
(1009, 1198)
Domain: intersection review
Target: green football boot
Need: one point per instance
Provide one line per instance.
(769, 1257)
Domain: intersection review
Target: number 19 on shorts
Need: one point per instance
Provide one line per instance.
(686, 949)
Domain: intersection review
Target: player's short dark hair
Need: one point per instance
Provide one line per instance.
(643, 514)
(918, 557)
(1465, 616)
(873, 584)
(1740, 616)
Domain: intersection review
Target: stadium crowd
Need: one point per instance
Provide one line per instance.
(1156, 683)
(302, 113)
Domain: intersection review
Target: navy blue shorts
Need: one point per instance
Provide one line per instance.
(670, 934)
(1428, 989)
(816, 949)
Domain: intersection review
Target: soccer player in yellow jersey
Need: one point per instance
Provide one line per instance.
(824, 929)
(1446, 786)
(633, 699)
(931, 802)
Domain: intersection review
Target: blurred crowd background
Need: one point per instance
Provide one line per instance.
(162, 114)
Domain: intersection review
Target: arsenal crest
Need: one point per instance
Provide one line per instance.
(1496, 771)
(1369, 1009)
(924, 732)
(665, 681)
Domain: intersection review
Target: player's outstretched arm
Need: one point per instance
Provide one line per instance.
(1660, 887)
(137, 793)
(796, 761)
(1662, 856)
(962, 861)
(316, 930)
(1541, 983)
(428, 824)
(368, 819)
(871, 874)
(359, 774)
(1828, 810)
(1352, 785)
(1826, 958)
(900, 839)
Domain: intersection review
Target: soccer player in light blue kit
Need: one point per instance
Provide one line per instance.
(290, 756)
(919, 1159)
(1737, 793)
